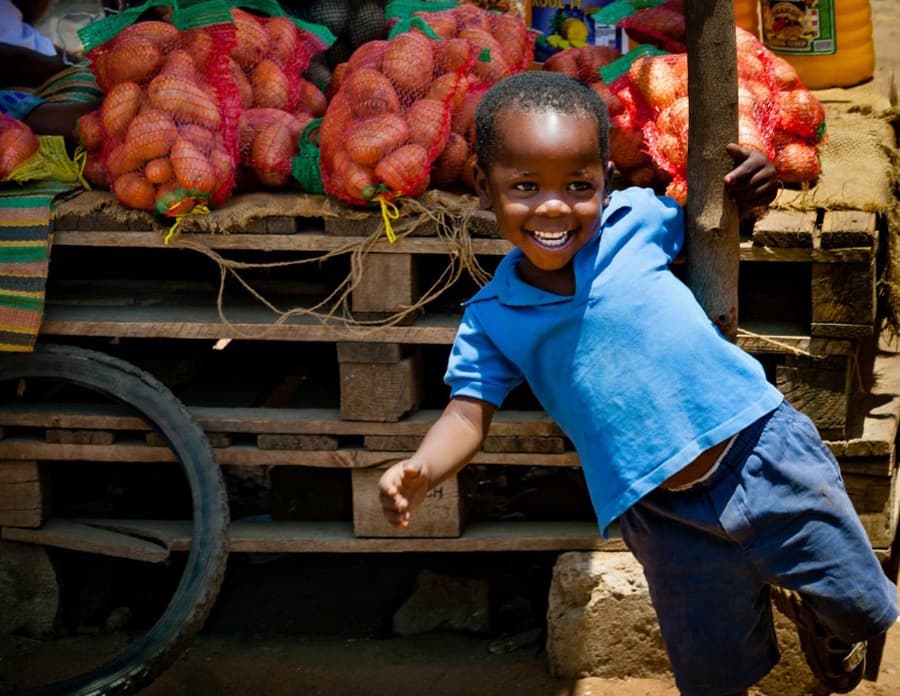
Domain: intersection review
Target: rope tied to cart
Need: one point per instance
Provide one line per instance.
(450, 217)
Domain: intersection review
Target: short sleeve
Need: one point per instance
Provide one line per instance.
(476, 367)
(638, 221)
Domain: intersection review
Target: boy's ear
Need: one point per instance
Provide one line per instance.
(481, 186)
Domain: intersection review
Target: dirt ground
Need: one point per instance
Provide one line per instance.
(321, 624)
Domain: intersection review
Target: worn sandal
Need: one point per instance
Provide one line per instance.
(838, 665)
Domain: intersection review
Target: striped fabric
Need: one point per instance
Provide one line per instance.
(24, 258)
(74, 84)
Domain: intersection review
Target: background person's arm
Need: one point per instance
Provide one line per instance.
(23, 67)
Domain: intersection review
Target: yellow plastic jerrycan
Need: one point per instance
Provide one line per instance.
(829, 43)
(746, 15)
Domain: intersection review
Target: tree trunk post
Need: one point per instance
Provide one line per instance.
(712, 237)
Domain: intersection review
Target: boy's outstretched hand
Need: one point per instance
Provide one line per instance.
(402, 489)
(753, 182)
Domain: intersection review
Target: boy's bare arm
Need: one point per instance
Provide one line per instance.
(447, 447)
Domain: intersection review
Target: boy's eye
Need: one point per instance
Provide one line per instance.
(581, 186)
(525, 186)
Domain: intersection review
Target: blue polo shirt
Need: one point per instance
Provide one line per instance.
(630, 366)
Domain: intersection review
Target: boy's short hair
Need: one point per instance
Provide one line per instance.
(537, 92)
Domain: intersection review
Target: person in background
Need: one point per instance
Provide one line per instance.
(725, 494)
(37, 85)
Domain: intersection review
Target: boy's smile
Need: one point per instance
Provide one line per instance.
(546, 187)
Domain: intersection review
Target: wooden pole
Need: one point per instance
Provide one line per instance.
(712, 237)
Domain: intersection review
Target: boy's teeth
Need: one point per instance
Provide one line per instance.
(551, 238)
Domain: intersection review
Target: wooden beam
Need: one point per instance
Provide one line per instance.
(325, 537)
(712, 236)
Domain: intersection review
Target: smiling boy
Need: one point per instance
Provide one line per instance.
(722, 491)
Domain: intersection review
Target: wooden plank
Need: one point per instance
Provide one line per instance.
(381, 391)
(778, 339)
(442, 514)
(154, 439)
(281, 224)
(818, 388)
(845, 331)
(877, 503)
(30, 519)
(247, 455)
(303, 443)
(392, 443)
(524, 443)
(77, 536)
(80, 437)
(372, 352)
(341, 226)
(844, 294)
(875, 414)
(263, 420)
(21, 496)
(482, 223)
(25, 493)
(311, 242)
(868, 466)
(848, 228)
(388, 283)
(20, 472)
(245, 322)
(338, 537)
(750, 252)
(21, 448)
(248, 322)
(784, 228)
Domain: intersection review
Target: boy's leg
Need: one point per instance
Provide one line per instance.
(713, 609)
(775, 513)
(807, 541)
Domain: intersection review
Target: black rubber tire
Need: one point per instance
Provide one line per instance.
(183, 617)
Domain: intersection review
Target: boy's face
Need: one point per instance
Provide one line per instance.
(547, 184)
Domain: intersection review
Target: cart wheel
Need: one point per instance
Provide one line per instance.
(182, 618)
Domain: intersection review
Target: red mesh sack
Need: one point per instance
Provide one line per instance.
(502, 46)
(17, 144)
(799, 126)
(168, 120)
(390, 118)
(582, 63)
(269, 57)
(90, 136)
(661, 26)
(654, 93)
(268, 141)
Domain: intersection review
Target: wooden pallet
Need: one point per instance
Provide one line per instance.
(807, 296)
(260, 438)
(807, 293)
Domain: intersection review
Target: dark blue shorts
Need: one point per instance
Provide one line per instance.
(774, 512)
